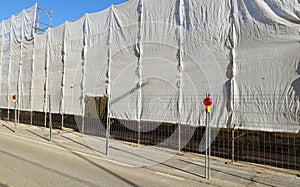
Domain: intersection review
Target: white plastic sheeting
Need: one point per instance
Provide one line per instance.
(16, 57)
(156, 60)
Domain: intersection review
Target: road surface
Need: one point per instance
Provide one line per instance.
(27, 158)
(25, 162)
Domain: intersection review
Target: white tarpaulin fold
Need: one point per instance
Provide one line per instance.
(156, 60)
(16, 43)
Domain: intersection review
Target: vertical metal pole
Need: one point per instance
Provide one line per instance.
(15, 116)
(139, 132)
(50, 18)
(62, 121)
(107, 126)
(206, 145)
(18, 118)
(232, 145)
(209, 143)
(107, 132)
(8, 114)
(82, 124)
(31, 115)
(45, 119)
(179, 137)
(50, 119)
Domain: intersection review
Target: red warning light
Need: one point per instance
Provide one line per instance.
(207, 101)
(14, 98)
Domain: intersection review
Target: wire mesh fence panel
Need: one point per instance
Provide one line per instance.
(38, 118)
(123, 130)
(70, 121)
(24, 117)
(277, 149)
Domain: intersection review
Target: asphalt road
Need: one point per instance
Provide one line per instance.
(25, 162)
(27, 158)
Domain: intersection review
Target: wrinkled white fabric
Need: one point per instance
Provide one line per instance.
(156, 60)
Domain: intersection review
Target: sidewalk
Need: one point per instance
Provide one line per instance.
(166, 162)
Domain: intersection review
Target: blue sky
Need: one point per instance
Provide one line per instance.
(62, 9)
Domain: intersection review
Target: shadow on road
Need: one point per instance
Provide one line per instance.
(12, 130)
(105, 169)
(37, 135)
(48, 169)
(3, 185)
(231, 174)
(98, 166)
(164, 164)
(81, 144)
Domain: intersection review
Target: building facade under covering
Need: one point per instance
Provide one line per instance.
(155, 60)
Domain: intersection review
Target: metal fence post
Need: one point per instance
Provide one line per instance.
(232, 145)
(107, 135)
(107, 126)
(179, 137)
(62, 121)
(206, 145)
(139, 133)
(207, 102)
(15, 116)
(31, 116)
(209, 147)
(50, 118)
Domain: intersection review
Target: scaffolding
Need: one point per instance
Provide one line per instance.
(43, 20)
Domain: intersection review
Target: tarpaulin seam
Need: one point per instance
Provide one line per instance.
(63, 80)
(47, 69)
(83, 61)
(32, 73)
(232, 46)
(19, 83)
(181, 9)
(10, 61)
(1, 53)
(109, 61)
(33, 56)
(140, 58)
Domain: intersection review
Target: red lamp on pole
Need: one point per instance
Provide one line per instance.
(207, 102)
(14, 98)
